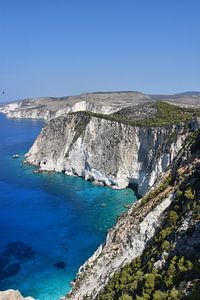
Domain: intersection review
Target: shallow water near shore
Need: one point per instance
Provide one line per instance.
(49, 223)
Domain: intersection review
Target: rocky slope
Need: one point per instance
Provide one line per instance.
(169, 267)
(124, 242)
(49, 107)
(105, 102)
(189, 99)
(155, 245)
(13, 295)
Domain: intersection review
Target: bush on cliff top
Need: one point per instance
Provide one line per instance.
(168, 114)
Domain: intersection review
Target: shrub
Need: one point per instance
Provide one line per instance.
(125, 297)
(149, 281)
(165, 245)
(163, 234)
(188, 194)
(173, 294)
(159, 295)
(168, 114)
(173, 217)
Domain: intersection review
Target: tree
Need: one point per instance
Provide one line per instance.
(188, 194)
(173, 217)
(125, 297)
(159, 295)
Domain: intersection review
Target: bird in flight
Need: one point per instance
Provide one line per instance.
(3, 92)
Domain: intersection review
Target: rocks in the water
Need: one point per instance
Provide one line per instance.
(11, 258)
(103, 204)
(19, 250)
(60, 265)
(13, 295)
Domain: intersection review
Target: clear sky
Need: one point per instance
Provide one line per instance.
(65, 47)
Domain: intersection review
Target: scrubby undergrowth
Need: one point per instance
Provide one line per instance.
(169, 268)
(167, 114)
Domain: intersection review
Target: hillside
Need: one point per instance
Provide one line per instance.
(155, 245)
(188, 99)
(169, 267)
(98, 102)
(128, 139)
(51, 107)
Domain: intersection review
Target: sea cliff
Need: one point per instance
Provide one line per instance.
(107, 152)
(153, 148)
(153, 250)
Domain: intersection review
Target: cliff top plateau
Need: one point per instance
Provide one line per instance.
(98, 102)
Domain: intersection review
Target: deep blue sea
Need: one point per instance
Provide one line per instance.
(49, 223)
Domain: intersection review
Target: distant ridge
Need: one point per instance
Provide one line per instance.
(187, 93)
(116, 92)
(188, 98)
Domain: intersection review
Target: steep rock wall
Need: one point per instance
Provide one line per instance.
(18, 110)
(21, 111)
(124, 242)
(105, 151)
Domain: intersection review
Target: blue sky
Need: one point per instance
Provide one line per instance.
(65, 47)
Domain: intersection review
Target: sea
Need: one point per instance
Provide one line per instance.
(50, 223)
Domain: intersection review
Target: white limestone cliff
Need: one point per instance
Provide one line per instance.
(106, 152)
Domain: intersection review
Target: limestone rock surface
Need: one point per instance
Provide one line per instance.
(106, 152)
(12, 295)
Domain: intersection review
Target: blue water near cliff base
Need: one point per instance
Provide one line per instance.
(47, 218)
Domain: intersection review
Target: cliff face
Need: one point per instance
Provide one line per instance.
(51, 107)
(169, 267)
(153, 250)
(40, 110)
(124, 242)
(106, 152)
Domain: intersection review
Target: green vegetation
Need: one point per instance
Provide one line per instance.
(125, 297)
(173, 217)
(163, 269)
(168, 114)
(189, 194)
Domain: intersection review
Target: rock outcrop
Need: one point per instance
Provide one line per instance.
(13, 295)
(107, 152)
(124, 242)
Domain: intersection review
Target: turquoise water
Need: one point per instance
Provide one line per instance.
(47, 218)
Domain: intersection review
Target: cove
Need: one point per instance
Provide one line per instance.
(49, 223)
